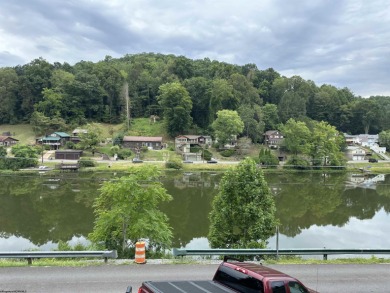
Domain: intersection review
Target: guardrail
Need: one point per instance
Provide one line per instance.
(30, 255)
(309, 251)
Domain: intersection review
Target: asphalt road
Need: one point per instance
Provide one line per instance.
(116, 278)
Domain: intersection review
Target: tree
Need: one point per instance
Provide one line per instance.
(384, 138)
(91, 138)
(296, 137)
(227, 125)
(177, 106)
(127, 210)
(253, 122)
(271, 117)
(243, 213)
(267, 158)
(325, 144)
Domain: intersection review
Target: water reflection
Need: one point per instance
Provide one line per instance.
(332, 210)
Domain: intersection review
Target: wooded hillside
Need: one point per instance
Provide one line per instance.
(186, 92)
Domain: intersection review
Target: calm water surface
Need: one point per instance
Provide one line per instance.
(315, 210)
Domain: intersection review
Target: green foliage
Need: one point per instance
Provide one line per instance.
(124, 153)
(127, 210)
(3, 151)
(177, 106)
(227, 125)
(24, 156)
(207, 155)
(297, 162)
(243, 213)
(384, 138)
(186, 93)
(174, 164)
(91, 139)
(85, 162)
(227, 153)
(114, 150)
(70, 145)
(267, 158)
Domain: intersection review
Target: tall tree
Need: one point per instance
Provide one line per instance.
(243, 212)
(271, 117)
(177, 106)
(253, 121)
(222, 97)
(127, 210)
(227, 125)
(296, 137)
(8, 87)
(199, 91)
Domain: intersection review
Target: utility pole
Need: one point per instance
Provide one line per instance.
(127, 98)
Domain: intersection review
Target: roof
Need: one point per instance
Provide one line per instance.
(53, 138)
(3, 138)
(79, 130)
(259, 270)
(191, 136)
(143, 138)
(269, 132)
(69, 151)
(62, 134)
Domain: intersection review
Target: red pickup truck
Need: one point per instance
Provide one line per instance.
(232, 276)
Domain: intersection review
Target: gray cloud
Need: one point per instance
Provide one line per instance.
(344, 43)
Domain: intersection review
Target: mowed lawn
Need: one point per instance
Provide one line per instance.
(22, 132)
(138, 127)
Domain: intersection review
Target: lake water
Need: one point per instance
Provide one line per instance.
(334, 210)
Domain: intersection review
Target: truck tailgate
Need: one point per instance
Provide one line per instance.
(187, 286)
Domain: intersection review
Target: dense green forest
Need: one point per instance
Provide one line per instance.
(186, 93)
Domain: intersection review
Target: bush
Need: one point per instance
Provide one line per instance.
(124, 154)
(114, 150)
(267, 158)
(207, 155)
(70, 145)
(298, 163)
(84, 162)
(144, 149)
(174, 164)
(227, 153)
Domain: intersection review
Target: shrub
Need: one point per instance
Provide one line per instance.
(267, 158)
(299, 163)
(207, 155)
(227, 153)
(114, 150)
(124, 154)
(174, 164)
(144, 149)
(70, 145)
(84, 162)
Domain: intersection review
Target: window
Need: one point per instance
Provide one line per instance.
(278, 287)
(295, 287)
(238, 280)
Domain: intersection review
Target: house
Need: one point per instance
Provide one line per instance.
(183, 143)
(75, 138)
(351, 139)
(79, 131)
(356, 153)
(368, 140)
(8, 141)
(273, 138)
(54, 140)
(136, 142)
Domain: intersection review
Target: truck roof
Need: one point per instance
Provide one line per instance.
(258, 271)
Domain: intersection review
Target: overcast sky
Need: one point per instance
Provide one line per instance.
(345, 43)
